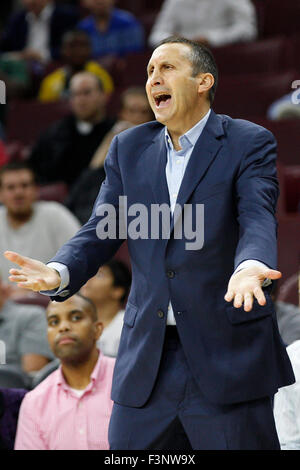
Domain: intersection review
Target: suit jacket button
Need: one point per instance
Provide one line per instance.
(160, 314)
(170, 274)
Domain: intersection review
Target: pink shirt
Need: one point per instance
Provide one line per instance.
(53, 417)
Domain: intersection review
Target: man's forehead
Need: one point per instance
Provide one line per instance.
(19, 175)
(174, 51)
(59, 308)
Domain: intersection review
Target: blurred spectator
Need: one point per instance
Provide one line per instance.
(71, 408)
(288, 317)
(16, 76)
(10, 402)
(3, 155)
(76, 53)
(109, 290)
(211, 22)
(38, 229)
(286, 405)
(67, 147)
(112, 31)
(35, 32)
(23, 330)
(135, 110)
(286, 107)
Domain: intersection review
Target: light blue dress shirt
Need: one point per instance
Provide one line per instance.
(176, 165)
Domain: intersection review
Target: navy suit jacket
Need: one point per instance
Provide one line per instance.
(63, 19)
(234, 355)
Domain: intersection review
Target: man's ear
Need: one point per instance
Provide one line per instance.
(118, 293)
(206, 82)
(98, 329)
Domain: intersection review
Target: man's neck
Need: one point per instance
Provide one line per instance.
(93, 120)
(176, 132)
(102, 21)
(16, 221)
(107, 312)
(37, 12)
(78, 376)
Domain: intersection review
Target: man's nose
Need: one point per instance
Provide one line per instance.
(155, 78)
(64, 326)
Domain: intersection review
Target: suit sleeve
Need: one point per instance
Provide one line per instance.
(86, 251)
(257, 193)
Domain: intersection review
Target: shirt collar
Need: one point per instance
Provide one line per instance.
(45, 14)
(190, 138)
(95, 377)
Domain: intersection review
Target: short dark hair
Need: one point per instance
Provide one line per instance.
(92, 306)
(201, 58)
(17, 166)
(121, 275)
(73, 33)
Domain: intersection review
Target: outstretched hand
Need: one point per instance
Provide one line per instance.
(33, 274)
(246, 284)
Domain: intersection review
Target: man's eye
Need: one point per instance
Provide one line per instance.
(76, 317)
(52, 323)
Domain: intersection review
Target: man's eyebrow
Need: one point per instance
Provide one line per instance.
(51, 316)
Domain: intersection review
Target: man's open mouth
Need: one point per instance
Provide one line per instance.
(162, 100)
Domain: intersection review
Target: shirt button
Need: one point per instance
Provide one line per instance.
(170, 274)
(81, 431)
(160, 314)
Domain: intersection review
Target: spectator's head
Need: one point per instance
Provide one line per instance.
(111, 285)
(87, 97)
(73, 329)
(76, 48)
(35, 6)
(135, 107)
(99, 7)
(18, 189)
(182, 80)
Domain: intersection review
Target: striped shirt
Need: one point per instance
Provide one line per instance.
(55, 417)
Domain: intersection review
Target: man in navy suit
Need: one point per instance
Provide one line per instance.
(194, 370)
(36, 31)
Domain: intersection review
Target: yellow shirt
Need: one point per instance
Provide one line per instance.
(53, 86)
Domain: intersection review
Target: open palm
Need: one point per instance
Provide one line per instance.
(33, 274)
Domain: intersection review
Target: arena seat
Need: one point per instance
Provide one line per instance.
(288, 246)
(287, 135)
(265, 56)
(281, 17)
(27, 119)
(33, 298)
(251, 95)
(133, 71)
(292, 188)
(53, 192)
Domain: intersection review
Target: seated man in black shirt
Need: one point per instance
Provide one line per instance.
(67, 147)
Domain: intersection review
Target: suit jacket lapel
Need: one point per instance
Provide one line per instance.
(155, 164)
(204, 152)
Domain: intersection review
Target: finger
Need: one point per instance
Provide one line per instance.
(30, 285)
(15, 257)
(259, 295)
(16, 272)
(272, 274)
(238, 300)
(229, 296)
(248, 301)
(17, 278)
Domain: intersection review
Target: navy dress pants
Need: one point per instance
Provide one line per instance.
(178, 417)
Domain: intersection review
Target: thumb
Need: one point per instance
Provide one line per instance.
(272, 274)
